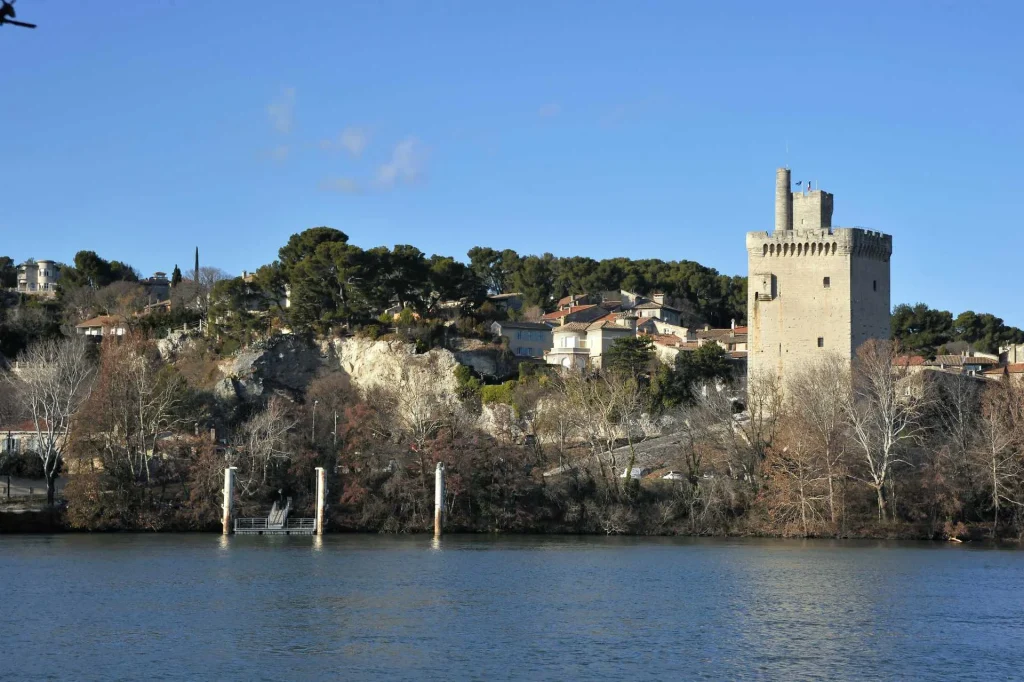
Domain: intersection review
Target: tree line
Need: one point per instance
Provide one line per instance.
(871, 448)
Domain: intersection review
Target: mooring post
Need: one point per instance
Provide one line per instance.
(438, 498)
(229, 494)
(321, 497)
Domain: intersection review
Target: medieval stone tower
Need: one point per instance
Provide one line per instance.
(813, 288)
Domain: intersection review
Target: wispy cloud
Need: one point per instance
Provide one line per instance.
(352, 140)
(280, 152)
(550, 110)
(341, 185)
(407, 164)
(281, 111)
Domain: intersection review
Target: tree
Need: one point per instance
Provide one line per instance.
(997, 456)
(921, 329)
(55, 380)
(302, 245)
(135, 400)
(533, 279)
(630, 355)
(260, 444)
(8, 273)
(495, 269)
(884, 414)
(176, 276)
(816, 398)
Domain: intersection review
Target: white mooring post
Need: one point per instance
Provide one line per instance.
(438, 499)
(321, 496)
(229, 494)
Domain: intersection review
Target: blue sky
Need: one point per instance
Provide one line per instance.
(143, 129)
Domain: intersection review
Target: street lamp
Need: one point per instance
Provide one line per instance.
(312, 431)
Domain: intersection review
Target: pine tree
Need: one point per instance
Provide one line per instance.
(176, 276)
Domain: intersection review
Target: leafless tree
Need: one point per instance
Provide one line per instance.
(602, 408)
(135, 400)
(884, 414)
(55, 378)
(997, 454)
(261, 442)
(816, 400)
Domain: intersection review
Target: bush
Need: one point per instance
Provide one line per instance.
(498, 394)
(22, 465)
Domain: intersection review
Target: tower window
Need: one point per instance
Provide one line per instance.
(827, 282)
(874, 285)
(821, 342)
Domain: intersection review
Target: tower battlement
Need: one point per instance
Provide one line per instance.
(833, 241)
(813, 289)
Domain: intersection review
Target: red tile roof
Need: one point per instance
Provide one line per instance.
(559, 314)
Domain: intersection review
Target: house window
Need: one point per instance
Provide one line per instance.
(874, 285)
(821, 342)
(827, 282)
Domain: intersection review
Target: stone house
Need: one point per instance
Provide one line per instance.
(658, 309)
(525, 339)
(1013, 373)
(731, 340)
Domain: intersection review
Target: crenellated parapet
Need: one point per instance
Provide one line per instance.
(836, 241)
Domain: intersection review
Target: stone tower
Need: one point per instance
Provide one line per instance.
(813, 288)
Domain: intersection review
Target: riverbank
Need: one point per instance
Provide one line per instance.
(15, 519)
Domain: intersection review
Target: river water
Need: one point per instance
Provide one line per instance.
(190, 607)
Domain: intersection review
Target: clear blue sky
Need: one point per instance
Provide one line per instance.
(143, 129)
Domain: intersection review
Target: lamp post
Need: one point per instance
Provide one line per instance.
(312, 430)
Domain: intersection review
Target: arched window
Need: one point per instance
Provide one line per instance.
(765, 252)
(833, 248)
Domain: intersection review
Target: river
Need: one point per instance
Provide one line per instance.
(190, 607)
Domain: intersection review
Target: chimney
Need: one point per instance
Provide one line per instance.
(213, 435)
(783, 200)
(707, 327)
(732, 325)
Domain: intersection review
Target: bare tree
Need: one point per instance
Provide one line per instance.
(816, 398)
(884, 413)
(997, 454)
(55, 379)
(134, 401)
(260, 443)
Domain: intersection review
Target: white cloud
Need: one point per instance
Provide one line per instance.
(280, 152)
(406, 165)
(353, 140)
(281, 111)
(341, 185)
(550, 110)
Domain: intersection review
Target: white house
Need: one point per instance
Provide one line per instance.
(104, 325)
(38, 277)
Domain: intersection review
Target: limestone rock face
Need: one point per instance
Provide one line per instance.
(284, 363)
(174, 343)
(394, 364)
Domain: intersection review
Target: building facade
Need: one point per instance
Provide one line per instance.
(525, 339)
(38, 277)
(813, 288)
